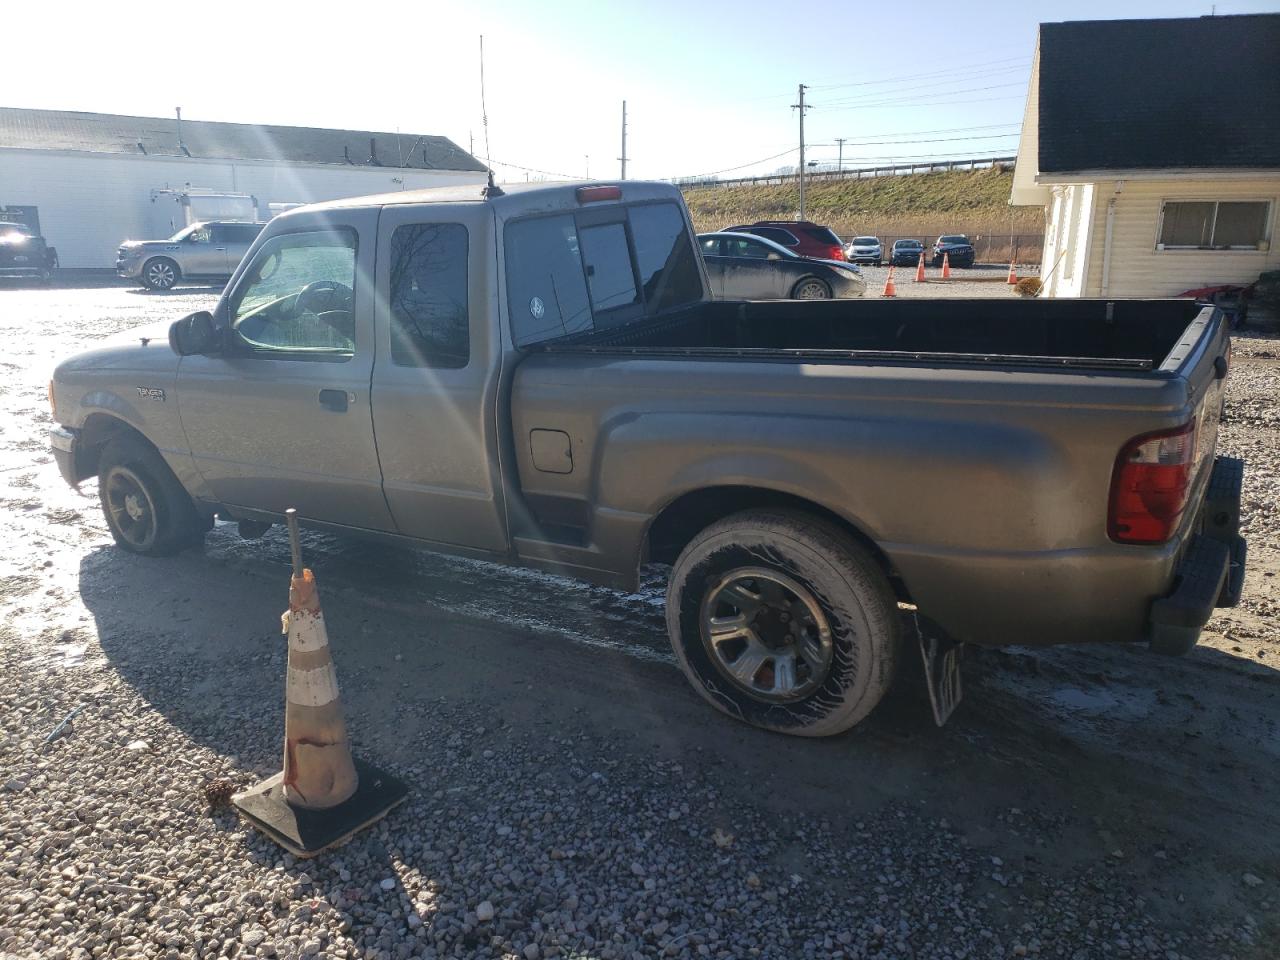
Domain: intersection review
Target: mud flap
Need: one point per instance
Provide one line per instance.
(941, 656)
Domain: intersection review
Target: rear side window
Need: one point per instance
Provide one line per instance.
(784, 237)
(546, 286)
(430, 322)
(824, 235)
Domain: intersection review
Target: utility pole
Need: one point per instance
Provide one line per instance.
(840, 155)
(802, 108)
(586, 158)
(623, 158)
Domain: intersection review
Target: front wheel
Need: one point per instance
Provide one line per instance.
(811, 289)
(160, 273)
(784, 621)
(147, 510)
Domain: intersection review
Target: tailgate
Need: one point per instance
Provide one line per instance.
(1202, 356)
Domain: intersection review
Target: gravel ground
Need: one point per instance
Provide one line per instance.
(983, 280)
(570, 795)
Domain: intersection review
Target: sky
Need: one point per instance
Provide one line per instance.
(709, 85)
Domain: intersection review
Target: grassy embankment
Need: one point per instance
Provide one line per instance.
(973, 202)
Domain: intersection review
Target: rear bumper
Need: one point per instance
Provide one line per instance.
(31, 270)
(1211, 571)
(1110, 593)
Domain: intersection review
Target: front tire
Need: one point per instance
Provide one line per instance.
(160, 273)
(783, 621)
(811, 288)
(147, 510)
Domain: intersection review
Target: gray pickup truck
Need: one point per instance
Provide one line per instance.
(540, 377)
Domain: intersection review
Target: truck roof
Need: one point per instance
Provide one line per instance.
(516, 198)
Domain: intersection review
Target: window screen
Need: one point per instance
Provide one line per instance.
(1215, 224)
(430, 323)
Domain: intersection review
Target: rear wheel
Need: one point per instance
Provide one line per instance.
(783, 621)
(146, 508)
(160, 273)
(811, 288)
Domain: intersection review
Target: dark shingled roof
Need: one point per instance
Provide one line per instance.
(158, 136)
(1156, 94)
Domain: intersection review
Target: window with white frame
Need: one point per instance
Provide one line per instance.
(1214, 224)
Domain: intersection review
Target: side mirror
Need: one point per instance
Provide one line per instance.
(194, 334)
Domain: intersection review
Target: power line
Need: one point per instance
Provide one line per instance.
(917, 98)
(931, 85)
(1015, 63)
(889, 143)
(921, 103)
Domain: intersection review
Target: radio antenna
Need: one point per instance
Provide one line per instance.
(484, 113)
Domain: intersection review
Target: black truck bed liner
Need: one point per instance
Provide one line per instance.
(1114, 334)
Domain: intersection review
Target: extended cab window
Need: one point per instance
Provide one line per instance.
(564, 278)
(429, 318)
(297, 297)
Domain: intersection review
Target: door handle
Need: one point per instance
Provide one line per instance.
(335, 400)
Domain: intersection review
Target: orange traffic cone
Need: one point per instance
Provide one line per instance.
(1013, 274)
(889, 289)
(946, 266)
(323, 795)
(920, 269)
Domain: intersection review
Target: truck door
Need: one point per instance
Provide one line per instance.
(436, 379)
(281, 418)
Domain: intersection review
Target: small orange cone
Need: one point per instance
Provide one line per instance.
(1013, 274)
(889, 289)
(946, 266)
(323, 795)
(920, 269)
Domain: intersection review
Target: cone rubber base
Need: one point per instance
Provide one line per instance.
(305, 833)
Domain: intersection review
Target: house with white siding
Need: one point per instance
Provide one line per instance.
(88, 181)
(1154, 147)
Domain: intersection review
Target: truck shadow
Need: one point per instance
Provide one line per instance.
(427, 647)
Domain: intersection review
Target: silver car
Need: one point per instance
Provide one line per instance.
(865, 250)
(742, 266)
(201, 251)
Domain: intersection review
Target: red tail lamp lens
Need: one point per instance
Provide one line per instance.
(1150, 486)
(596, 194)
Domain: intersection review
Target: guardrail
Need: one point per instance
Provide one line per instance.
(893, 170)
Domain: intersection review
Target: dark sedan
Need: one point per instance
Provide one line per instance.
(746, 267)
(957, 247)
(906, 253)
(24, 253)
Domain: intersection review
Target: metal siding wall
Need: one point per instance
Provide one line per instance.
(1139, 270)
(90, 202)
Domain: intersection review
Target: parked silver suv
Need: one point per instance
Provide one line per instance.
(201, 251)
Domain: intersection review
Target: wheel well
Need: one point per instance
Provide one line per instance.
(97, 430)
(682, 519)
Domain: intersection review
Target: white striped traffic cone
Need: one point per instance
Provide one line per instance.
(318, 770)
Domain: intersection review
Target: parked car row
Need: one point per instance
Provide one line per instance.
(906, 252)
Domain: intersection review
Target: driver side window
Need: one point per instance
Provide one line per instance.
(297, 299)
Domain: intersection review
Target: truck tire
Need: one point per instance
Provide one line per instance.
(147, 510)
(783, 621)
(160, 273)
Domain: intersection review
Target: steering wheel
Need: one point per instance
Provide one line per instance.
(324, 296)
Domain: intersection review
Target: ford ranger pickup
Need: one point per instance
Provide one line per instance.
(539, 376)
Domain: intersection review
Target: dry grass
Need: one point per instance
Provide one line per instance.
(972, 202)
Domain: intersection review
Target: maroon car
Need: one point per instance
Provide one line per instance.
(800, 236)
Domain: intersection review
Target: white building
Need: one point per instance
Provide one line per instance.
(87, 181)
(1154, 147)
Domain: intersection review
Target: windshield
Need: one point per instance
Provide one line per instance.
(955, 239)
(187, 231)
(566, 277)
(908, 244)
(865, 241)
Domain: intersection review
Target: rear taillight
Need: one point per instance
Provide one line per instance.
(1150, 485)
(837, 253)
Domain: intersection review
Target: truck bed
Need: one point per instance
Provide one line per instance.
(1132, 335)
